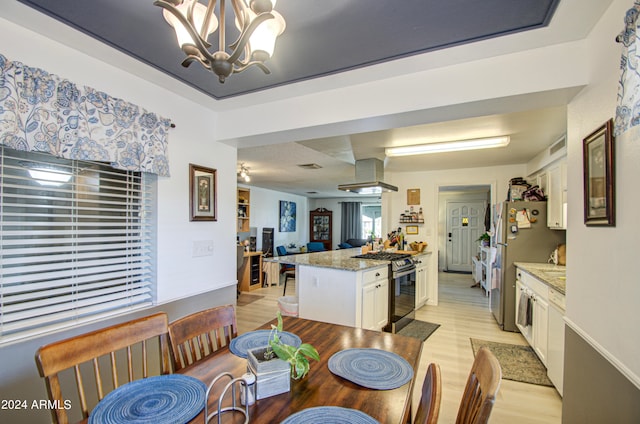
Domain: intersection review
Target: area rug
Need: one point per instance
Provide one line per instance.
(419, 329)
(246, 299)
(519, 363)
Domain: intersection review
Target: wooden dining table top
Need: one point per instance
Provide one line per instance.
(320, 387)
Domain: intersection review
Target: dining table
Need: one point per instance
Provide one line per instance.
(320, 387)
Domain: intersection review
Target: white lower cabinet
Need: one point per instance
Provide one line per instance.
(422, 283)
(526, 330)
(540, 327)
(537, 334)
(375, 301)
(555, 352)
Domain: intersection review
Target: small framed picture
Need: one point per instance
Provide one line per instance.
(202, 193)
(599, 185)
(412, 229)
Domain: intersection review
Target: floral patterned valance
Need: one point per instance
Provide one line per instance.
(42, 112)
(628, 109)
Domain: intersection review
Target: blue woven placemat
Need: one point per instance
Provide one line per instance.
(371, 368)
(259, 338)
(329, 414)
(164, 399)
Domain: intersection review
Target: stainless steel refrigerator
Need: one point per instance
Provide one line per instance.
(520, 235)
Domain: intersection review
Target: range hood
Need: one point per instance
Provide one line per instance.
(369, 176)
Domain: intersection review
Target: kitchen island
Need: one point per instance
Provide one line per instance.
(335, 287)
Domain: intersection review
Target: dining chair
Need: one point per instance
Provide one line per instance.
(481, 389)
(315, 246)
(288, 270)
(196, 336)
(106, 345)
(429, 407)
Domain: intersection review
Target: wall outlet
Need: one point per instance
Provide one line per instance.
(202, 248)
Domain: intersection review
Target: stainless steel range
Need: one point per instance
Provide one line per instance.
(402, 287)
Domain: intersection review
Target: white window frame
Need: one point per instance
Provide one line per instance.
(72, 251)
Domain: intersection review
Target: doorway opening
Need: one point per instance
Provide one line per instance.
(461, 220)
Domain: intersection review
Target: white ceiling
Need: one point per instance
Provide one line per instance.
(533, 120)
(276, 167)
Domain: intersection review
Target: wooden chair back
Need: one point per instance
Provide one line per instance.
(481, 389)
(129, 337)
(429, 407)
(200, 334)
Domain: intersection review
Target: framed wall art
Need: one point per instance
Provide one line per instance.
(287, 216)
(599, 171)
(202, 193)
(411, 229)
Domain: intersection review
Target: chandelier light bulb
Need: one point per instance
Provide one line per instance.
(193, 22)
(263, 40)
(199, 12)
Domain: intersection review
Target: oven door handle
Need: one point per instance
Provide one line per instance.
(403, 273)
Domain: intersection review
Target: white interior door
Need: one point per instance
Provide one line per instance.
(465, 223)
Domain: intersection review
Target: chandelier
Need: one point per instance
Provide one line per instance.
(258, 23)
(243, 173)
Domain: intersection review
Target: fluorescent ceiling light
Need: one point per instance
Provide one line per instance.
(448, 146)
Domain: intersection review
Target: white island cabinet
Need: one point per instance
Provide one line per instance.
(338, 296)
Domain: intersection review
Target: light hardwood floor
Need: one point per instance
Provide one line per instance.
(463, 312)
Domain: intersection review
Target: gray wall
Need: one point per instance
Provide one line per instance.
(594, 390)
(19, 378)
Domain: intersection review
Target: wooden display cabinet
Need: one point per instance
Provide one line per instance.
(244, 209)
(320, 228)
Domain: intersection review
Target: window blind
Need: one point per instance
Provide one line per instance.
(75, 245)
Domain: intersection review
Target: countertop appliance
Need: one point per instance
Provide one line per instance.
(402, 287)
(520, 235)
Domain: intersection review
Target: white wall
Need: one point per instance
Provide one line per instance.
(603, 288)
(353, 107)
(179, 274)
(265, 212)
(429, 182)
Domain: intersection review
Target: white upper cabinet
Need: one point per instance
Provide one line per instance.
(549, 171)
(557, 195)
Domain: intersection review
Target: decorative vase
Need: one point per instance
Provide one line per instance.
(273, 376)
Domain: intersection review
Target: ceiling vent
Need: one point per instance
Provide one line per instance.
(369, 178)
(558, 145)
(309, 166)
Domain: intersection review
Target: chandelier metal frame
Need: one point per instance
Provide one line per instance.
(221, 62)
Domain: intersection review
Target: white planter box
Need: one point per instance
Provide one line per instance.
(272, 376)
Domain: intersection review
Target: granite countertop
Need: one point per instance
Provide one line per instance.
(555, 276)
(337, 259)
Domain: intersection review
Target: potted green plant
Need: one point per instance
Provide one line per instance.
(297, 357)
(484, 239)
(277, 363)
